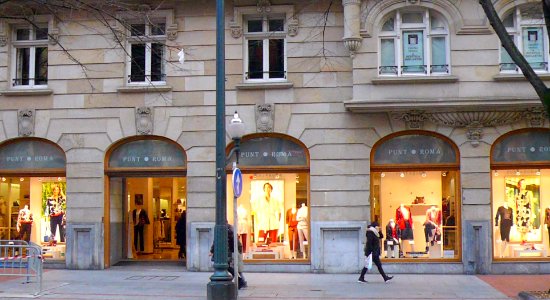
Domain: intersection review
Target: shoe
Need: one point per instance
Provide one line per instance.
(361, 280)
(388, 278)
(243, 285)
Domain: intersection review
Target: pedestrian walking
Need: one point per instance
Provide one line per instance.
(240, 264)
(374, 236)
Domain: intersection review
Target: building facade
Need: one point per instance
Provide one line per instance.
(403, 112)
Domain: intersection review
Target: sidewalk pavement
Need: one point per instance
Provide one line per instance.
(173, 282)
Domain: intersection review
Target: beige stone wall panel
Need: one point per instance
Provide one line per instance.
(177, 83)
(201, 200)
(199, 123)
(476, 212)
(336, 64)
(250, 96)
(84, 214)
(475, 73)
(366, 60)
(188, 98)
(9, 121)
(76, 142)
(340, 183)
(20, 102)
(340, 213)
(339, 151)
(199, 23)
(323, 94)
(279, 96)
(339, 199)
(200, 151)
(157, 99)
(84, 183)
(474, 164)
(508, 90)
(201, 168)
(364, 76)
(325, 79)
(474, 58)
(189, 68)
(304, 64)
(198, 38)
(69, 101)
(481, 196)
(200, 184)
(340, 167)
(339, 136)
(200, 52)
(78, 42)
(90, 56)
(87, 155)
(482, 42)
(312, 49)
(233, 51)
(475, 180)
(233, 67)
(200, 83)
(200, 214)
(80, 26)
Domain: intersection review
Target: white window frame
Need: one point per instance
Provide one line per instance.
(32, 44)
(516, 33)
(265, 36)
(148, 40)
(398, 33)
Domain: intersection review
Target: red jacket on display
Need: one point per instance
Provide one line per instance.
(400, 218)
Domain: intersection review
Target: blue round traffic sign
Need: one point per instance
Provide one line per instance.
(237, 182)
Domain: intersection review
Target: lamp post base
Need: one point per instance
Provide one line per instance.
(220, 290)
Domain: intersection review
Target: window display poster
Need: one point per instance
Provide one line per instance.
(267, 205)
(413, 51)
(533, 47)
(523, 196)
(53, 198)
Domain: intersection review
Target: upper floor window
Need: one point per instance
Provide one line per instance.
(30, 56)
(265, 58)
(147, 52)
(414, 43)
(525, 25)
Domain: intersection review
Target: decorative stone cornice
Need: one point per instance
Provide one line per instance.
(351, 2)
(144, 120)
(414, 119)
(263, 7)
(264, 117)
(25, 119)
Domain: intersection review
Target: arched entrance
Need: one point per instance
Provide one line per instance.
(146, 184)
(33, 206)
(273, 210)
(415, 191)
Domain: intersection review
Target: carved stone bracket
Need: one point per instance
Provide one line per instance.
(3, 33)
(414, 119)
(264, 7)
(293, 26)
(264, 117)
(144, 120)
(3, 40)
(535, 116)
(172, 32)
(474, 133)
(353, 44)
(25, 118)
(236, 29)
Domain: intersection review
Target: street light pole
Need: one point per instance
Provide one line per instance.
(221, 285)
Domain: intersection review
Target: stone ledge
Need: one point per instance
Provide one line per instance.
(145, 89)
(264, 85)
(517, 77)
(534, 295)
(26, 92)
(414, 79)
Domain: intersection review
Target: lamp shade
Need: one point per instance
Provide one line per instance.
(235, 129)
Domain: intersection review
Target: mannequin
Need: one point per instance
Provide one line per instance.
(524, 209)
(432, 226)
(403, 218)
(268, 214)
(505, 215)
(393, 235)
(547, 222)
(303, 226)
(292, 224)
(140, 219)
(242, 225)
(55, 206)
(24, 223)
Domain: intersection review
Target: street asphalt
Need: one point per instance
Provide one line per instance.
(174, 282)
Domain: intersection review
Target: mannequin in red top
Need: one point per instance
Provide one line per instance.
(404, 219)
(432, 226)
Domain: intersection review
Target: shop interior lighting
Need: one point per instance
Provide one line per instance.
(423, 174)
(58, 178)
(39, 178)
(444, 174)
(518, 173)
(3, 178)
(21, 179)
(496, 173)
(383, 174)
(538, 172)
(402, 175)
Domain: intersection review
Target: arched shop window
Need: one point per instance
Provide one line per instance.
(273, 209)
(415, 195)
(33, 205)
(520, 164)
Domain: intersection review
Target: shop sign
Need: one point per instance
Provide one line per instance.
(533, 48)
(147, 154)
(526, 146)
(415, 149)
(413, 51)
(269, 151)
(31, 154)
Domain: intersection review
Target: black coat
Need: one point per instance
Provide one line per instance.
(373, 243)
(181, 228)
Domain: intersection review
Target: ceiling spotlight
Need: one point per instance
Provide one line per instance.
(3, 178)
(496, 173)
(39, 178)
(402, 175)
(58, 178)
(538, 172)
(21, 179)
(423, 174)
(444, 174)
(518, 173)
(382, 174)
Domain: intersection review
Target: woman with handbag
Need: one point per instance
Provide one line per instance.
(372, 248)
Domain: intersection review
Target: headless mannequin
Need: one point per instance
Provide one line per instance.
(432, 226)
(292, 224)
(404, 220)
(242, 226)
(505, 216)
(24, 224)
(547, 222)
(303, 226)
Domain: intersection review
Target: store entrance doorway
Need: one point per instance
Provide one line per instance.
(144, 215)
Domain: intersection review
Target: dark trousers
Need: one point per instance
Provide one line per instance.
(378, 263)
(138, 234)
(25, 232)
(54, 222)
